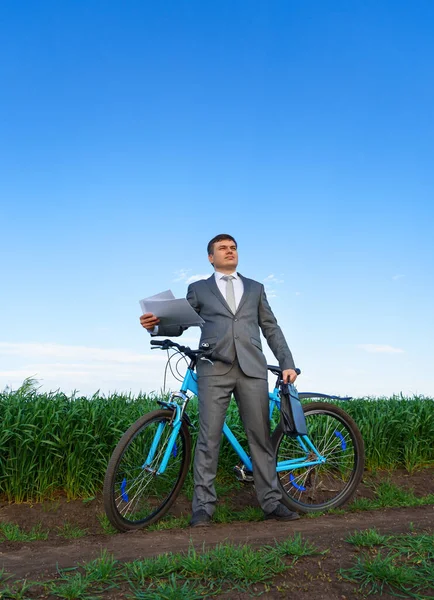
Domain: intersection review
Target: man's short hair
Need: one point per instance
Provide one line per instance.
(219, 238)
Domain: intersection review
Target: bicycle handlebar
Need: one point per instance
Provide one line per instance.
(192, 354)
(206, 354)
(167, 344)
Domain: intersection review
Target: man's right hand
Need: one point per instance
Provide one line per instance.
(149, 321)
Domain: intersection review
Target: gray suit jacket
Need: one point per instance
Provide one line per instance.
(235, 335)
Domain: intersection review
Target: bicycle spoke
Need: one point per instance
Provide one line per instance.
(327, 484)
(134, 494)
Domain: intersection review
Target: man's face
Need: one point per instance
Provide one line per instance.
(225, 257)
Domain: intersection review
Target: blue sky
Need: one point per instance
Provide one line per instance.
(133, 132)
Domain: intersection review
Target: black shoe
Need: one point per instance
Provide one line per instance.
(200, 518)
(282, 513)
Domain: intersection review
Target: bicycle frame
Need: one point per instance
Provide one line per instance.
(178, 402)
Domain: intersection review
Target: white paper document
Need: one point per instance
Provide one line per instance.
(171, 310)
(167, 295)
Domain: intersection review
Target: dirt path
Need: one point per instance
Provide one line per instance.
(32, 559)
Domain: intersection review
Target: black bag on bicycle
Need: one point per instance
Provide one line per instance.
(292, 416)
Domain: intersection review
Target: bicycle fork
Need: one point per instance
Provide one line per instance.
(169, 448)
(175, 424)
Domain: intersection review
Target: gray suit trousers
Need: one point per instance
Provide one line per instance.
(251, 394)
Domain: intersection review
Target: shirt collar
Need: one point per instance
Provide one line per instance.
(219, 275)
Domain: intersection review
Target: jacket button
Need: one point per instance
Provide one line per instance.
(235, 319)
(236, 337)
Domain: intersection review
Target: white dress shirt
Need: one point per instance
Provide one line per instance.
(237, 282)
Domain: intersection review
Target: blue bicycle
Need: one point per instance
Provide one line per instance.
(147, 469)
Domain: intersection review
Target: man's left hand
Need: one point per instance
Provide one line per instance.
(289, 376)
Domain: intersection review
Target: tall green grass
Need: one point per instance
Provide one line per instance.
(397, 431)
(52, 443)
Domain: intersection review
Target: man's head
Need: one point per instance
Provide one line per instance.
(223, 253)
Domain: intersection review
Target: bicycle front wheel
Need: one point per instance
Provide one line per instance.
(335, 435)
(136, 493)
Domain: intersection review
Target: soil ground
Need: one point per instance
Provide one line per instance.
(315, 578)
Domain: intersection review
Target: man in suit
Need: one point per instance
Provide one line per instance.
(234, 309)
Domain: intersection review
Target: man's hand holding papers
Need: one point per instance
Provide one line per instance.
(164, 307)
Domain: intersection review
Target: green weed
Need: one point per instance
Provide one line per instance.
(69, 531)
(250, 513)
(140, 571)
(169, 522)
(102, 569)
(414, 546)
(75, 587)
(403, 565)
(173, 589)
(373, 573)
(225, 513)
(16, 591)
(389, 495)
(367, 538)
(12, 533)
(295, 546)
(239, 564)
(106, 526)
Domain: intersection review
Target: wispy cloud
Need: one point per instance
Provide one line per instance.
(273, 279)
(395, 277)
(380, 349)
(269, 282)
(197, 277)
(270, 292)
(76, 353)
(183, 275)
(85, 368)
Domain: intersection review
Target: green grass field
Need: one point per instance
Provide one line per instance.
(400, 565)
(51, 443)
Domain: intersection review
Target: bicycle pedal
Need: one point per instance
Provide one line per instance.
(243, 475)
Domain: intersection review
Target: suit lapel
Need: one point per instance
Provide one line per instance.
(246, 286)
(212, 284)
(217, 293)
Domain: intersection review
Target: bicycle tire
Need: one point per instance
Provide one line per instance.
(135, 496)
(322, 487)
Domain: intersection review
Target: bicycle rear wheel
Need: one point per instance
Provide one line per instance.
(321, 487)
(135, 495)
